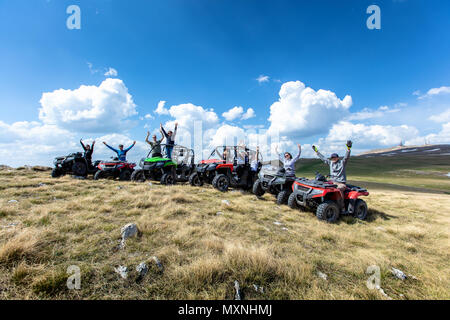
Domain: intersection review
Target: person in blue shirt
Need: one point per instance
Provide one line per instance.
(121, 153)
(170, 139)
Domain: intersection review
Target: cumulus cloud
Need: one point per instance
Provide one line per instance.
(111, 72)
(262, 78)
(442, 117)
(149, 116)
(302, 111)
(103, 108)
(238, 113)
(250, 113)
(160, 109)
(365, 137)
(435, 92)
(368, 113)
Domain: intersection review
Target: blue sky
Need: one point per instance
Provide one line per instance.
(210, 53)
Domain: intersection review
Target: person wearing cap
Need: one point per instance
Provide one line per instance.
(288, 161)
(121, 153)
(337, 170)
(155, 144)
(170, 139)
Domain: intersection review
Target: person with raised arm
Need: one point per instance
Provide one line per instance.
(121, 153)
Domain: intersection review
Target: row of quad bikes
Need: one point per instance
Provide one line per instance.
(226, 167)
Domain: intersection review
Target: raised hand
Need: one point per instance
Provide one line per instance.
(349, 144)
(315, 148)
(299, 145)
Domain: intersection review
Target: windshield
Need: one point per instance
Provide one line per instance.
(228, 153)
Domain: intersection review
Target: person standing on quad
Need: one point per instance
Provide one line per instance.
(288, 162)
(170, 139)
(88, 150)
(155, 144)
(121, 153)
(337, 170)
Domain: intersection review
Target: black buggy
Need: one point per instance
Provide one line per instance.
(276, 182)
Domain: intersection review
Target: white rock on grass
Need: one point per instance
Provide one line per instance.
(220, 213)
(142, 269)
(278, 223)
(13, 201)
(322, 275)
(226, 202)
(258, 288)
(129, 230)
(122, 271)
(399, 274)
(238, 291)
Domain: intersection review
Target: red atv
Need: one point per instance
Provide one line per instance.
(231, 169)
(321, 195)
(115, 169)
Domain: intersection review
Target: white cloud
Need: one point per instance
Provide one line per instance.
(160, 109)
(367, 113)
(250, 113)
(187, 113)
(302, 111)
(365, 137)
(237, 112)
(111, 72)
(262, 78)
(233, 113)
(435, 91)
(442, 117)
(102, 108)
(149, 116)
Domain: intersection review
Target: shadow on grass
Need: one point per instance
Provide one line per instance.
(375, 214)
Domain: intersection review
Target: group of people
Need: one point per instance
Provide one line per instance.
(122, 153)
(337, 167)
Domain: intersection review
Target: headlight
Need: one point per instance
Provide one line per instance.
(141, 163)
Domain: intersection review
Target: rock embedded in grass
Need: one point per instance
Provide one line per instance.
(129, 230)
(142, 269)
(322, 275)
(122, 271)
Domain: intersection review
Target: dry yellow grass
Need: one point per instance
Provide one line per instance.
(77, 222)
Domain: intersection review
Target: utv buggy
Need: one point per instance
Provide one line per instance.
(236, 170)
(321, 195)
(114, 169)
(74, 163)
(206, 170)
(165, 170)
(275, 182)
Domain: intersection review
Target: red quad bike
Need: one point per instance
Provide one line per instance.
(115, 169)
(321, 195)
(205, 170)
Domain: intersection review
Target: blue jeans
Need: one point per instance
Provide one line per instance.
(169, 151)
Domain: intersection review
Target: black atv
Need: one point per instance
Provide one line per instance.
(74, 163)
(184, 158)
(275, 182)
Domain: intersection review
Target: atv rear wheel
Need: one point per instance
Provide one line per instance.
(221, 182)
(328, 211)
(125, 175)
(99, 175)
(257, 189)
(194, 180)
(283, 196)
(79, 169)
(138, 175)
(56, 173)
(168, 179)
(360, 209)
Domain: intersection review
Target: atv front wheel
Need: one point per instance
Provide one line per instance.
(221, 182)
(194, 180)
(292, 201)
(138, 175)
(99, 175)
(328, 211)
(56, 173)
(257, 189)
(125, 175)
(282, 197)
(360, 209)
(79, 169)
(167, 179)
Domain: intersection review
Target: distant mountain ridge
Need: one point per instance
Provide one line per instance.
(435, 149)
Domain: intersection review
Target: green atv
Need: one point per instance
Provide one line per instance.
(156, 167)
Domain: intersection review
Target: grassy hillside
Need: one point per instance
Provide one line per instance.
(422, 172)
(61, 222)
